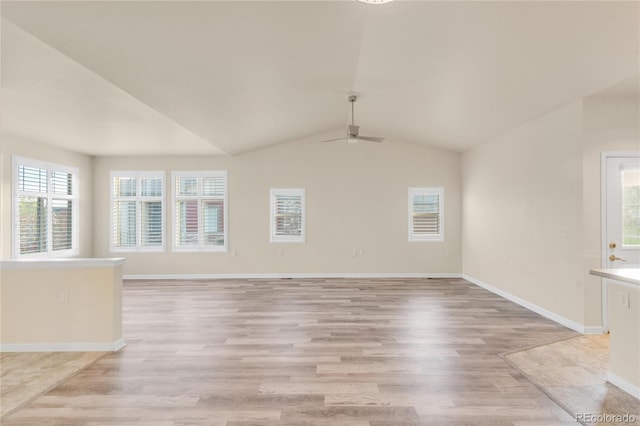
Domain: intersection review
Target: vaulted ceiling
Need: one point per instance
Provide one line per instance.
(179, 77)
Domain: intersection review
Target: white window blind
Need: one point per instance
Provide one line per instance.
(45, 209)
(287, 215)
(200, 216)
(426, 214)
(137, 211)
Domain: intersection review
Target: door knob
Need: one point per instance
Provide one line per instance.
(612, 245)
(613, 258)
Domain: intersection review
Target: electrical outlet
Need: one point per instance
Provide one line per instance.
(564, 233)
(623, 299)
(64, 297)
(281, 252)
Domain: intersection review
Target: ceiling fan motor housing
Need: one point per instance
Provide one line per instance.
(352, 130)
(352, 133)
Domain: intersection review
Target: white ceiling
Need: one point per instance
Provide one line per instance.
(235, 76)
(50, 98)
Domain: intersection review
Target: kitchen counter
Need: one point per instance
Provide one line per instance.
(628, 276)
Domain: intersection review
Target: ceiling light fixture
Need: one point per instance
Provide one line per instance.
(375, 1)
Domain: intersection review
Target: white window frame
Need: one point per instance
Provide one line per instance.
(426, 191)
(273, 238)
(175, 198)
(139, 199)
(74, 198)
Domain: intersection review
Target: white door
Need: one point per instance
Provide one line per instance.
(621, 199)
(623, 213)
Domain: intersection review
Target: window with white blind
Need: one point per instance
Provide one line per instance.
(45, 209)
(200, 211)
(287, 215)
(426, 214)
(137, 211)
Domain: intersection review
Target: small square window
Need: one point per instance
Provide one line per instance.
(287, 215)
(426, 214)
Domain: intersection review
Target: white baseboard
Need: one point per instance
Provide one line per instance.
(63, 347)
(618, 381)
(535, 308)
(593, 330)
(118, 344)
(290, 275)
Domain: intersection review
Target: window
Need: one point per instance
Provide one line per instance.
(137, 213)
(631, 208)
(45, 209)
(287, 215)
(200, 203)
(426, 214)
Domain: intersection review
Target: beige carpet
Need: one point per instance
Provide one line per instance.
(573, 373)
(25, 376)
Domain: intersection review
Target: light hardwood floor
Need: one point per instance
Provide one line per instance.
(310, 352)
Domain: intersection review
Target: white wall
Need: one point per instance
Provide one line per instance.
(523, 190)
(356, 198)
(522, 220)
(33, 319)
(624, 344)
(12, 145)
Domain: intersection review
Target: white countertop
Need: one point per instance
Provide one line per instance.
(629, 276)
(61, 263)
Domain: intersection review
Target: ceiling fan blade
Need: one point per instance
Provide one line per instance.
(334, 140)
(371, 138)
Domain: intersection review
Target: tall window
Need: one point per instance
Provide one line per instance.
(287, 215)
(200, 218)
(631, 208)
(137, 213)
(45, 209)
(426, 214)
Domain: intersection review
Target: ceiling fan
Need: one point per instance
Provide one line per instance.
(352, 129)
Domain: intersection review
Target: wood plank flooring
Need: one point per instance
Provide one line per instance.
(309, 352)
